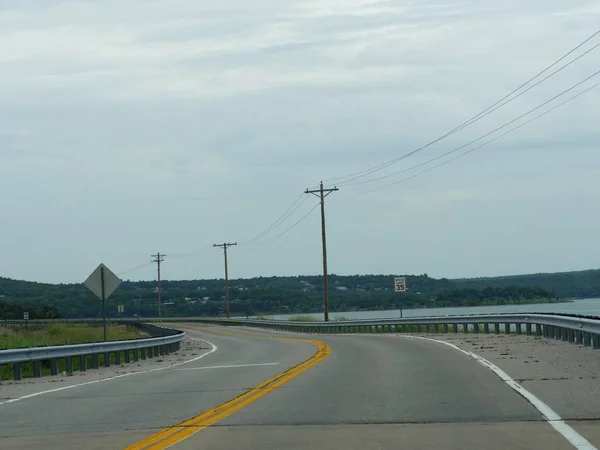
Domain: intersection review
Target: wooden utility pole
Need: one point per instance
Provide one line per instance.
(322, 193)
(224, 246)
(158, 258)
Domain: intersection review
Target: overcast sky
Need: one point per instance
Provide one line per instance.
(134, 127)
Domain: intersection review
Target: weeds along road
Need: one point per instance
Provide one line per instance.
(263, 390)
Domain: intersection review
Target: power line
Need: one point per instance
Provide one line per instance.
(287, 213)
(290, 228)
(195, 252)
(479, 138)
(498, 104)
(134, 268)
(473, 149)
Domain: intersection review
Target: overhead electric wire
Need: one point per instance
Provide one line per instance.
(495, 106)
(287, 213)
(472, 149)
(480, 137)
(290, 228)
(192, 253)
(134, 268)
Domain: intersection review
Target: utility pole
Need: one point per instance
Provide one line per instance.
(322, 193)
(158, 258)
(224, 246)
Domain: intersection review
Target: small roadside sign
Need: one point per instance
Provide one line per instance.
(25, 315)
(102, 282)
(400, 284)
(120, 308)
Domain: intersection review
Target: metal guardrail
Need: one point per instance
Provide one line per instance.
(579, 330)
(100, 353)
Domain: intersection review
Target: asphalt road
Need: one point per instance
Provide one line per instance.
(369, 392)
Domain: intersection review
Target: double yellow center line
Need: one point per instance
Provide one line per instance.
(172, 435)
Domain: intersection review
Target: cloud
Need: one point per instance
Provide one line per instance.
(115, 116)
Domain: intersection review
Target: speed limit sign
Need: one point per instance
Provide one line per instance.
(400, 284)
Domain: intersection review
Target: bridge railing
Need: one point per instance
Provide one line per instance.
(578, 330)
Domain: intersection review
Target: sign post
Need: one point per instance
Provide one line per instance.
(102, 282)
(400, 287)
(26, 319)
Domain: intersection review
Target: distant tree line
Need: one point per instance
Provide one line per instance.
(281, 295)
(14, 311)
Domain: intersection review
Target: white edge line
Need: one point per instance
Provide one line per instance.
(553, 419)
(64, 388)
(229, 366)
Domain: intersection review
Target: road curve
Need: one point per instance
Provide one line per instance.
(369, 392)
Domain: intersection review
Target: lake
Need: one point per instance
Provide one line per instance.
(586, 307)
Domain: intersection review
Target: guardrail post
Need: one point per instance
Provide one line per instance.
(18, 371)
(53, 366)
(538, 329)
(127, 356)
(486, 328)
(578, 337)
(455, 327)
(518, 325)
(528, 329)
(586, 339)
(118, 358)
(136, 355)
(476, 328)
(143, 352)
(596, 341)
(37, 369)
(497, 328)
(465, 327)
(565, 334)
(83, 363)
(507, 328)
(69, 360)
(96, 361)
(107, 359)
(445, 328)
(571, 336)
(558, 333)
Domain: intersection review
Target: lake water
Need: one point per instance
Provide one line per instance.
(586, 307)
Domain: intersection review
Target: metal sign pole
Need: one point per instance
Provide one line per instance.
(103, 301)
(400, 287)
(400, 305)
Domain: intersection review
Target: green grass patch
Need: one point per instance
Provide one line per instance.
(64, 334)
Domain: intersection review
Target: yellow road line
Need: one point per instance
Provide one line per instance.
(172, 435)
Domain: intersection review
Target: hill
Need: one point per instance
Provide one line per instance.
(299, 294)
(579, 284)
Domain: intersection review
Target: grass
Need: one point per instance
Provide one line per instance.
(62, 334)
